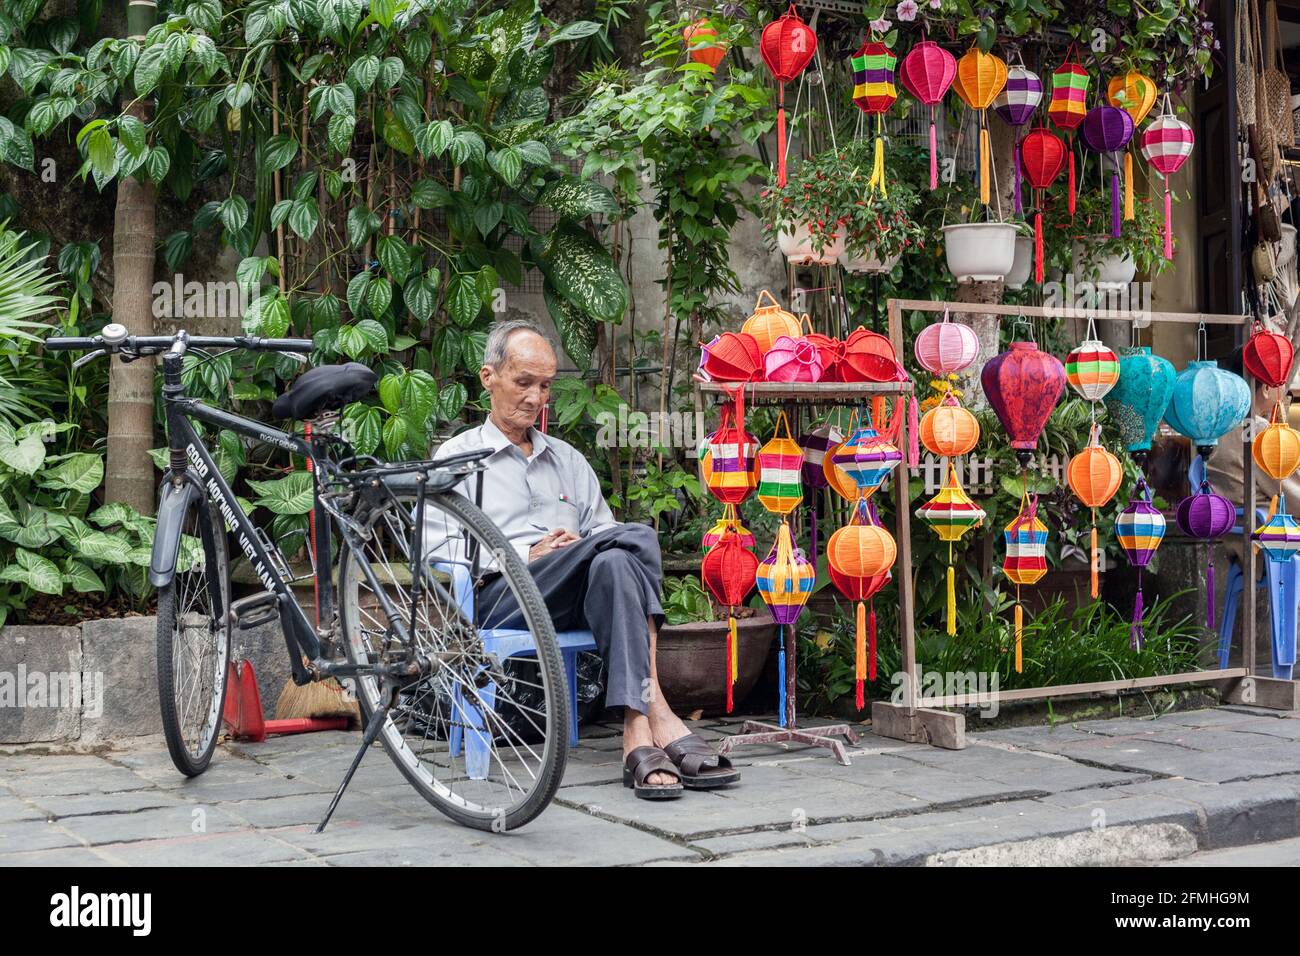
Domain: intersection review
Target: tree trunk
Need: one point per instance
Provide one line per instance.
(130, 473)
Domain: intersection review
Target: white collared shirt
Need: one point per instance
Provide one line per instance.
(527, 496)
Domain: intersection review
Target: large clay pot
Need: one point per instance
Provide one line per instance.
(799, 247)
(690, 660)
(980, 251)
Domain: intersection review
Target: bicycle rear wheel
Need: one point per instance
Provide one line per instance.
(483, 738)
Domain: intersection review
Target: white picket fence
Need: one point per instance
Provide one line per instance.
(976, 474)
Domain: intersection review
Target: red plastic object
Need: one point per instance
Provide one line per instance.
(243, 710)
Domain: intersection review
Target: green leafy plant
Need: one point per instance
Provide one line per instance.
(1141, 238)
(685, 601)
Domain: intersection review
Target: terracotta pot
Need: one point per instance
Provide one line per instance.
(691, 659)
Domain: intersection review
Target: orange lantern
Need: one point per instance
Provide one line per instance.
(858, 553)
(1276, 449)
(1135, 94)
(769, 322)
(980, 78)
(948, 429)
(1094, 476)
(702, 40)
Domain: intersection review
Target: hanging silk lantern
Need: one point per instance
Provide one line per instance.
(837, 479)
(1140, 529)
(926, 72)
(859, 553)
(769, 322)
(1166, 144)
(793, 360)
(1023, 385)
(1276, 449)
(787, 45)
(702, 41)
(1139, 399)
(1092, 369)
(728, 571)
(1042, 154)
(733, 455)
(1106, 131)
(980, 78)
(874, 93)
(1016, 105)
(950, 514)
(1069, 105)
(1135, 94)
(943, 348)
(731, 357)
(730, 521)
(1268, 356)
(1094, 475)
(1026, 560)
(867, 459)
(1206, 516)
(1208, 402)
(949, 430)
(780, 461)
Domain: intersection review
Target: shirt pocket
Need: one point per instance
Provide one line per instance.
(566, 514)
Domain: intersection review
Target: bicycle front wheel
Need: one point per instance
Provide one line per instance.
(484, 737)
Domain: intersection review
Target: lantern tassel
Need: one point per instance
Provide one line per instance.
(1070, 193)
(1015, 153)
(812, 531)
(780, 683)
(984, 164)
(913, 445)
(1135, 635)
(877, 180)
(731, 638)
(1169, 236)
(1114, 204)
(934, 161)
(1038, 248)
(860, 657)
(735, 648)
(1128, 187)
(1020, 627)
(871, 643)
(780, 136)
(1209, 592)
(952, 600)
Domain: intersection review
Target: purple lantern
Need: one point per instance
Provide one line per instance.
(1107, 130)
(1016, 105)
(1206, 516)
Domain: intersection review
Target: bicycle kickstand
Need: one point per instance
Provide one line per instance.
(391, 690)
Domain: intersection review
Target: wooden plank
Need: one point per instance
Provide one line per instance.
(938, 728)
(1270, 692)
(1034, 311)
(809, 391)
(1095, 687)
(894, 721)
(903, 539)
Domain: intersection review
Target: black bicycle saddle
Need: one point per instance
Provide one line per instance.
(324, 387)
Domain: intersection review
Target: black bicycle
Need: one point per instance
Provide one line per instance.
(476, 719)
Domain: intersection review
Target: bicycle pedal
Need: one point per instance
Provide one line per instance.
(254, 610)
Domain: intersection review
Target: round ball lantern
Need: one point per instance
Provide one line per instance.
(702, 40)
(1276, 449)
(1094, 475)
(769, 322)
(1139, 399)
(926, 72)
(1106, 131)
(1041, 156)
(980, 78)
(949, 430)
(1268, 356)
(1016, 105)
(1207, 403)
(1166, 144)
(860, 553)
(1133, 93)
(728, 571)
(1092, 369)
(1140, 528)
(945, 348)
(1023, 385)
(730, 521)
(1206, 516)
(1026, 559)
(950, 514)
(786, 45)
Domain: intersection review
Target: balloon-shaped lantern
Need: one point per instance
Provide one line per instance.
(787, 45)
(867, 459)
(1016, 105)
(1276, 449)
(1166, 144)
(980, 78)
(728, 571)
(860, 553)
(768, 322)
(702, 40)
(949, 430)
(945, 348)
(1139, 399)
(1094, 476)
(1042, 154)
(731, 357)
(926, 72)
(1268, 356)
(730, 521)
(1206, 516)
(1106, 131)
(780, 462)
(950, 514)
(1022, 385)
(1135, 94)
(785, 580)
(1026, 560)
(1092, 369)
(1208, 402)
(874, 93)
(733, 455)
(1068, 106)
(816, 444)
(1140, 529)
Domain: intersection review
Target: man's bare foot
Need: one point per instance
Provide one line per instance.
(637, 733)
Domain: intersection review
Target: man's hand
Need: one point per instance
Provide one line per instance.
(553, 540)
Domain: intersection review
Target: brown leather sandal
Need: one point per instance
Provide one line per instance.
(700, 767)
(643, 761)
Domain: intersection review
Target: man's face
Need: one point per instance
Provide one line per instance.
(522, 386)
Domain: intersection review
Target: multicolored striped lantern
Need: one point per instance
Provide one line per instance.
(1166, 144)
(1208, 402)
(728, 571)
(730, 521)
(780, 461)
(867, 459)
(1140, 528)
(926, 72)
(1135, 94)
(702, 41)
(1042, 154)
(1069, 105)
(1094, 475)
(731, 357)
(733, 455)
(950, 514)
(769, 322)
(787, 45)
(874, 93)
(1139, 399)
(1268, 356)
(837, 479)
(1092, 369)
(1206, 516)
(1026, 560)
(1023, 385)
(1106, 131)
(1279, 536)
(1276, 449)
(860, 553)
(793, 360)
(945, 348)
(785, 580)
(949, 430)
(1016, 105)
(980, 78)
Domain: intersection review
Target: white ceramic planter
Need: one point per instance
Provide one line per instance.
(1110, 272)
(798, 247)
(868, 264)
(980, 251)
(1023, 265)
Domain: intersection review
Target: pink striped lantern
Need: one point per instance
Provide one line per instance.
(1166, 144)
(793, 360)
(943, 348)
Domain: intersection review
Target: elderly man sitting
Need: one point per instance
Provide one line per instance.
(592, 571)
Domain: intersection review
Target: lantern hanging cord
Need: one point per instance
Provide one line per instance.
(817, 58)
(1202, 342)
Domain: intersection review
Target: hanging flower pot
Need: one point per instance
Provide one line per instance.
(1023, 264)
(802, 248)
(980, 251)
(1113, 272)
(868, 263)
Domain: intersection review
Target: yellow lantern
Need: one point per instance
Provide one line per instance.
(980, 78)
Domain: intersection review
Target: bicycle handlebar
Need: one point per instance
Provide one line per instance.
(149, 344)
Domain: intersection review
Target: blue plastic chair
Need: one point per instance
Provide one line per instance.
(504, 643)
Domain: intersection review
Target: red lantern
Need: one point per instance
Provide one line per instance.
(1023, 385)
(728, 572)
(786, 45)
(1268, 356)
(699, 33)
(927, 71)
(1042, 155)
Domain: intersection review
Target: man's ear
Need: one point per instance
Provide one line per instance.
(485, 374)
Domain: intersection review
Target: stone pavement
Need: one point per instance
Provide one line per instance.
(1126, 790)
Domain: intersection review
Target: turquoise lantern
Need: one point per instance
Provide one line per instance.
(1140, 397)
(1208, 402)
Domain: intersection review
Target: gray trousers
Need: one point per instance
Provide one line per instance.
(608, 583)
